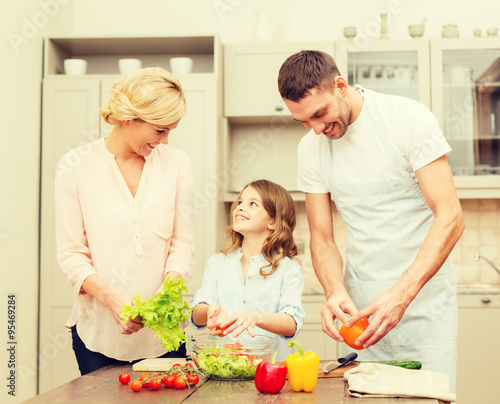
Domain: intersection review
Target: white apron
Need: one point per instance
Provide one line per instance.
(386, 223)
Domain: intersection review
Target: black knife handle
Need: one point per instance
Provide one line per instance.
(348, 358)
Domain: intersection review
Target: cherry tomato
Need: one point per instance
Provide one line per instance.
(193, 379)
(136, 385)
(179, 382)
(188, 365)
(144, 377)
(219, 327)
(155, 384)
(177, 365)
(352, 333)
(124, 378)
(168, 380)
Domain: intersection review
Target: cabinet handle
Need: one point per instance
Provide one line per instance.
(486, 300)
(279, 108)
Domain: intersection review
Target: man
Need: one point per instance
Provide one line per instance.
(382, 159)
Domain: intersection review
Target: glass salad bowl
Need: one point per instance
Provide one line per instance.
(227, 358)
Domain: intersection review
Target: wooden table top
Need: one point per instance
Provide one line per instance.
(102, 387)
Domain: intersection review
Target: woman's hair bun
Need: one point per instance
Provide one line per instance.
(151, 94)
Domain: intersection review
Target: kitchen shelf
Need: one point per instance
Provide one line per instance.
(102, 54)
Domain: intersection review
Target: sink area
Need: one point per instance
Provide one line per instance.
(478, 288)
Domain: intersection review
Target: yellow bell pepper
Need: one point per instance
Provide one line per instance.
(303, 369)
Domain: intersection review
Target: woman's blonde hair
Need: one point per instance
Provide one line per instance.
(151, 95)
(278, 203)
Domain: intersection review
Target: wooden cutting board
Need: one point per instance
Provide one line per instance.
(339, 372)
(157, 364)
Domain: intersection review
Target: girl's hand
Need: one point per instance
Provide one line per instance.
(243, 320)
(216, 315)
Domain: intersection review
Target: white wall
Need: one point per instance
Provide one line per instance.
(23, 26)
(296, 20)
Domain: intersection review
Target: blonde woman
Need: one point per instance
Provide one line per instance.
(254, 285)
(124, 219)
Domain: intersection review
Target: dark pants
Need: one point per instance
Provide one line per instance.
(88, 361)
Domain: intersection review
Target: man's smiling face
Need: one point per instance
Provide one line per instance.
(326, 111)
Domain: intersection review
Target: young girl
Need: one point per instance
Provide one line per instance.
(254, 284)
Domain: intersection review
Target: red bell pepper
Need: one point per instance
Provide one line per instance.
(270, 377)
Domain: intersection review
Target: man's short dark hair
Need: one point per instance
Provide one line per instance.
(305, 70)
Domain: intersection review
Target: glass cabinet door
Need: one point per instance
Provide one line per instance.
(387, 66)
(466, 98)
(386, 72)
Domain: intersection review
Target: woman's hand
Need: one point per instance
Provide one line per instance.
(114, 302)
(243, 320)
(216, 315)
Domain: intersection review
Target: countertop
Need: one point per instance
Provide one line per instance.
(102, 386)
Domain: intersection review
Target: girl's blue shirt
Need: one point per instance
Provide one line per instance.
(280, 292)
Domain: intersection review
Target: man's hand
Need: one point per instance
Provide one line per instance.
(386, 311)
(336, 306)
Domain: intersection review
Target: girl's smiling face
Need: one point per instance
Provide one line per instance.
(250, 216)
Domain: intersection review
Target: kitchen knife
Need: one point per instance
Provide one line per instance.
(341, 362)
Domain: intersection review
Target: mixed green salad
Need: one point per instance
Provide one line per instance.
(225, 365)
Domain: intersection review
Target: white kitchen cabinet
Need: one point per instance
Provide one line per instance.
(478, 355)
(71, 118)
(251, 76)
(260, 136)
(466, 100)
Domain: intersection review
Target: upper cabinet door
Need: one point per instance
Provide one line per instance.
(390, 67)
(251, 76)
(466, 101)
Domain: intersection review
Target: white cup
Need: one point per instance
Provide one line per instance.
(181, 65)
(129, 65)
(75, 67)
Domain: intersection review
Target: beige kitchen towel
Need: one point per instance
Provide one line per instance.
(377, 380)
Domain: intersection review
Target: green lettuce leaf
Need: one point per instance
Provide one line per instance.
(163, 312)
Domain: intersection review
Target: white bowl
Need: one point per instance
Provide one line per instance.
(350, 32)
(129, 65)
(75, 67)
(181, 65)
(416, 30)
(492, 31)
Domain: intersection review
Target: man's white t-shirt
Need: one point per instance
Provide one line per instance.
(359, 156)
